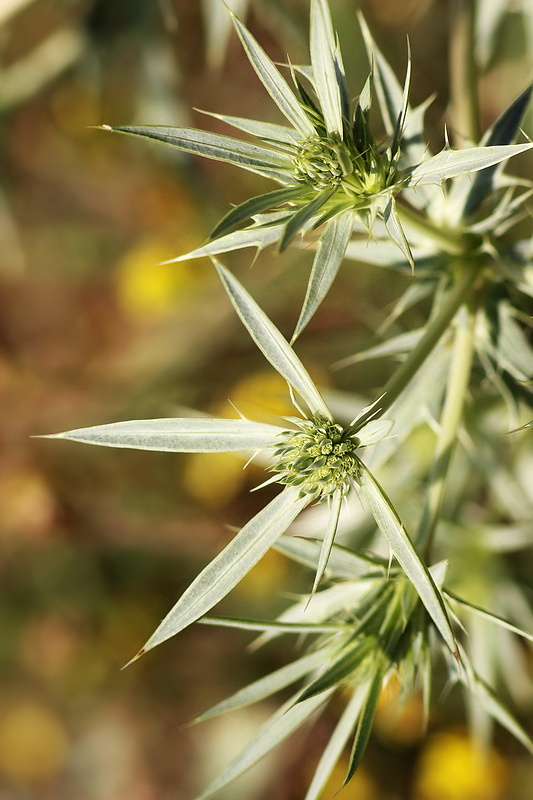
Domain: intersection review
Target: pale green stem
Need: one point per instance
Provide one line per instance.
(452, 414)
(463, 74)
(456, 244)
(437, 325)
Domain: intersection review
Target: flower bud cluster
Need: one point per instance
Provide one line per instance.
(319, 458)
(322, 163)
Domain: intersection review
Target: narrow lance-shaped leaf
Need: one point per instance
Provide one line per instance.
(268, 131)
(390, 525)
(300, 218)
(281, 724)
(366, 721)
(502, 132)
(179, 435)
(271, 626)
(494, 618)
(337, 742)
(322, 39)
(254, 236)
(272, 344)
(277, 87)
(329, 536)
(330, 254)
(395, 230)
(492, 705)
(267, 686)
(231, 565)
(256, 205)
(450, 163)
(342, 563)
(214, 145)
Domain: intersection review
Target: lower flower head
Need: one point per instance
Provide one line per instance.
(319, 458)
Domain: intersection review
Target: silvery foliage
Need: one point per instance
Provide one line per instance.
(444, 220)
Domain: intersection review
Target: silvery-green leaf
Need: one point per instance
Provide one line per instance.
(380, 252)
(388, 88)
(255, 236)
(268, 131)
(366, 721)
(335, 505)
(324, 604)
(329, 256)
(273, 81)
(337, 742)
(489, 616)
(403, 111)
(323, 49)
(450, 163)
(256, 205)
(179, 435)
(282, 723)
(502, 132)
(300, 218)
(231, 565)
(374, 431)
(220, 148)
(406, 555)
(395, 346)
(269, 625)
(267, 686)
(395, 230)
(342, 563)
(492, 705)
(272, 344)
(342, 666)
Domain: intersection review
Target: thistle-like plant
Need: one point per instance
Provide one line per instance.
(391, 204)
(333, 171)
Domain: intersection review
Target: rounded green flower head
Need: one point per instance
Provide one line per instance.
(319, 458)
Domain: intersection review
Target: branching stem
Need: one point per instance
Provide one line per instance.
(452, 414)
(437, 325)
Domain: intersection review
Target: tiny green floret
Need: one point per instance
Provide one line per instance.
(319, 459)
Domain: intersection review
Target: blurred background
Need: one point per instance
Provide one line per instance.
(96, 545)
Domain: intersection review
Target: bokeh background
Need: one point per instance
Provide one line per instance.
(96, 545)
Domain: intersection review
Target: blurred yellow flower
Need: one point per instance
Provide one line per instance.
(452, 767)
(33, 744)
(400, 719)
(148, 289)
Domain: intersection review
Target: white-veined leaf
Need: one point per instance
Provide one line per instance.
(269, 625)
(214, 145)
(267, 686)
(374, 431)
(337, 742)
(395, 230)
(330, 254)
(366, 721)
(342, 563)
(231, 565)
(335, 505)
(323, 50)
(450, 163)
(269, 131)
(406, 555)
(272, 344)
(275, 84)
(281, 724)
(492, 705)
(255, 236)
(481, 612)
(179, 435)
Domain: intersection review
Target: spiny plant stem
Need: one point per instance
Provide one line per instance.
(463, 74)
(452, 414)
(450, 304)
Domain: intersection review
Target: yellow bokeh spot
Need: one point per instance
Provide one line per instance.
(33, 744)
(399, 718)
(149, 289)
(262, 396)
(453, 767)
(265, 578)
(214, 478)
